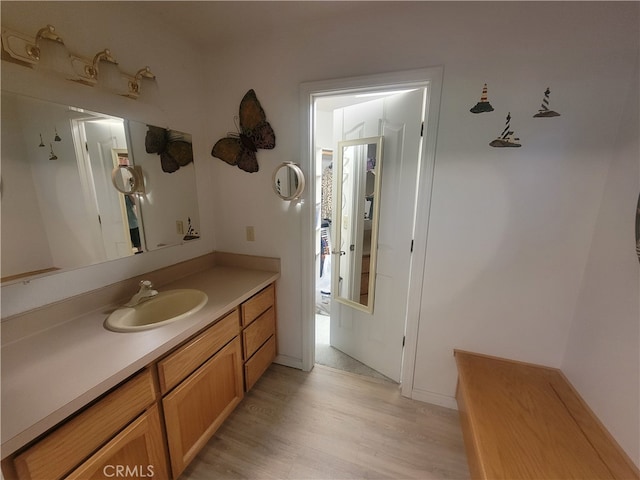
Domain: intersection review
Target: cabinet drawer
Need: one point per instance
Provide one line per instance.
(197, 407)
(258, 332)
(256, 365)
(178, 365)
(256, 305)
(66, 447)
(138, 451)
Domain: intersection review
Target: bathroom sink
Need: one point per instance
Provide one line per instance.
(166, 307)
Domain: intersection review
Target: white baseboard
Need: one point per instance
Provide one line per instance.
(434, 398)
(288, 361)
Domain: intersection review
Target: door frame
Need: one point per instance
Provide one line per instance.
(431, 78)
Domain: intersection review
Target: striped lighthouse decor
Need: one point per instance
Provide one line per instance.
(544, 108)
(507, 126)
(483, 97)
(483, 105)
(506, 138)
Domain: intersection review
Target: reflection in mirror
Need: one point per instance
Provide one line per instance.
(60, 210)
(288, 181)
(127, 179)
(170, 202)
(356, 214)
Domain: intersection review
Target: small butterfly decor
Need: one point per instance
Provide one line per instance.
(174, 147)
(254, 133)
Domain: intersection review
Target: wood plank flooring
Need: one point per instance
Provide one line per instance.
(329, 424)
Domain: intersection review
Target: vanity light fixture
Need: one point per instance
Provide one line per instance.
(47, 33)
(134, 84)
(47, 52)
(102, 56)
(90, 69)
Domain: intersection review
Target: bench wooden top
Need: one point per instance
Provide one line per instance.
(527, 421)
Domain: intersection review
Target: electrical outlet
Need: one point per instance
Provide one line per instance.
(180, 227)
(251, 234)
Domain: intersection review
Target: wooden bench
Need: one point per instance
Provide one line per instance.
(523, 421)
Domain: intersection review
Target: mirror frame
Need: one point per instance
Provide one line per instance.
(338, 222)
(299, 177)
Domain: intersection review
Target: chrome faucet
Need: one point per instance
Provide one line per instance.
(146, 292)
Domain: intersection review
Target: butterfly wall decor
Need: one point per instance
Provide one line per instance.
(255, 132)
(174, 147)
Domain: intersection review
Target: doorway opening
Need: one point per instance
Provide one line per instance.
(343, 263)
(387, 346)
(377, 138)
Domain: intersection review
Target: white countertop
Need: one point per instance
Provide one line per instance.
(49, 375)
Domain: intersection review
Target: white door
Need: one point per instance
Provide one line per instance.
(377, 339)
(101, 139)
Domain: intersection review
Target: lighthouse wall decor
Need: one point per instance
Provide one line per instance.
(483, 105)
(544, 108)
(506, 138)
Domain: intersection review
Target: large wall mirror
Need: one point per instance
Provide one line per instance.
(356, 215)
(60, 209)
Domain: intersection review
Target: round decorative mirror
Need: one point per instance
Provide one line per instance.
(288, 181)
(127, 179)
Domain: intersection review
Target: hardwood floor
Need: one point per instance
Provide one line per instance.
(329, 424)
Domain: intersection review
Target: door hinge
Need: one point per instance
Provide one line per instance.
(86, 146)
(422, 129)
(411, 245)
(99, 220)
(403, 340)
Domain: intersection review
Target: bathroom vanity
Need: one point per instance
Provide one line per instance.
(80, 401)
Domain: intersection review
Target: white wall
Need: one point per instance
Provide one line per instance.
(22, 224)
(511, 229)
(136, 39)
(603, 352)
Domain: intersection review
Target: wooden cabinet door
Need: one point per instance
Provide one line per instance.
(197, 407)
(136, 452)
(69, 445)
